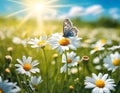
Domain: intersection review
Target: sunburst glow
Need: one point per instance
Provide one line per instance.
(37, 9)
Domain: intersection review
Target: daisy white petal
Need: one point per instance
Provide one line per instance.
(26, 66)
(112, 61)
(90, 85)
(8, 87)
(38, 42)
(95, 90)
(57, 41)
(101, 84)
(70, 59)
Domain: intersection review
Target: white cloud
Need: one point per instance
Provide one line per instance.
(76, 11)
(113, 10)
(114, 13)
(95, 9)
(81, 11)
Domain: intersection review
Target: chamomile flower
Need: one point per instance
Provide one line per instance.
(97, 48)
(103, 42)
(57, 41)
(96, 60)
(38, 42)
(35, 81)
(8, 87)
(99, 45)
(27, 66)
(98, 67)
(112, 61)
(74, 70)
(100, 84)
(114, 47)
(69, 61)
(18, 40)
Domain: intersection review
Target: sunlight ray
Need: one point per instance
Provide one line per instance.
(52, 1)
(37, 9)
(17, 12)
(59, 6)
(25, 19)
(18, 2)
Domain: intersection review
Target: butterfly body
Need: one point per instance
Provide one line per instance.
(68, 29)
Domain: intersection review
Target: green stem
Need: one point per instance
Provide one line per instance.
(78, 71)
(66, 75)
(66, 66)
(44, 53)
(84, 69)
(19, 81)
(56, 72)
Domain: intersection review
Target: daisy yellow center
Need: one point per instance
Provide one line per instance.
(64, 41)
(1, 91)
(116, 62)
(27, 67)
(103, 41)
(40, 43)
(96, 48)
(69, 60)
(100, 83)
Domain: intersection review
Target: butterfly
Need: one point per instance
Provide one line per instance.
(68, 29)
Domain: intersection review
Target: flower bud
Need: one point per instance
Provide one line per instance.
(55, 56)
(8, 59)
(71, 87)
(7, 70)
(9, 49)
(85, 59)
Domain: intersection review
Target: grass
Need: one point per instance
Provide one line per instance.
(57, 83)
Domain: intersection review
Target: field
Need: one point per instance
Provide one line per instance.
(98, 42)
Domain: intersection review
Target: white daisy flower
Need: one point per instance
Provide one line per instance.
(74, 70)
(8, 87)
(18, 40)
(100, 83)
(96, 60)
(99, 45)
(114, 47)
(98, 67)
(26, 66)
(86, 43)
(69, 61)
(97, 48)
(57, 41)
(103, 42)
(35, 81)
(112, 61)
(38, 42)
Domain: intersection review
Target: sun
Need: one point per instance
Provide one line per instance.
(38, 7)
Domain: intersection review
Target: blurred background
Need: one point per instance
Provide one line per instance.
(30, 18)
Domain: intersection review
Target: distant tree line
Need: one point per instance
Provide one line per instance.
(101, 22)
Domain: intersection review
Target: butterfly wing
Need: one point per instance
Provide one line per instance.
(68, 29)
(67, 25)
(74, 31)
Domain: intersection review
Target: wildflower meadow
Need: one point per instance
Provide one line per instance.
(66, 55)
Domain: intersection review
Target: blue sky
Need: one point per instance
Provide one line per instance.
(86, 9)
